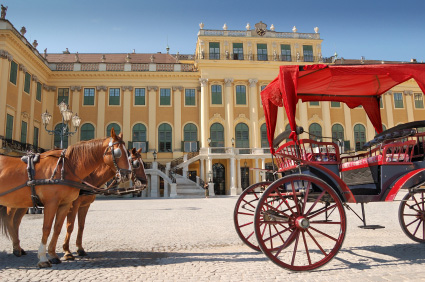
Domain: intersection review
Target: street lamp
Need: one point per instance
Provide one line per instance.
(233, 141)
(209, 141)
(154, 155)
(210, 174)
(66, 117)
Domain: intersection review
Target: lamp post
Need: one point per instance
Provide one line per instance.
(154, 155)
(66, 117)
(209, 141)
(233, 142)
(210, 174)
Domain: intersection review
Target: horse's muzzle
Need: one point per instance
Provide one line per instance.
(124, 175)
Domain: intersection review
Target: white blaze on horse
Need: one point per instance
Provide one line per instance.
(55, 179)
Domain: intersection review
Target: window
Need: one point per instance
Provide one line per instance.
(315, 131)
(87, 132)
(165, 97)
(242, 136)
(398, 100)
(216, 97)
(165, 138)
(63, 95)
(419, 101)
(264, 140)
(189, 97)
(38, 94)
(140, 96)
(214, 50)
(359, 136)
(314, 103)
(238, 51)
(240, 95)
(57, 138)
(24, 128)
(337, 133)
(88, 96)
(381, 102)
(190, 138)
(308, 53)
(139, 137)
(114, 96)
(35, 139)
(9, 127)
(285, 52)
(335, 104)
(27, 83)
(262, 52)
(13, 72)
(116, 127)
(217, 135)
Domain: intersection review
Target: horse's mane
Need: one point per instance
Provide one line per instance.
(88, 152)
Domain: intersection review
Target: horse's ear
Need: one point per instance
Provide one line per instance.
(139, 151)
(113, 135)
(133, 151)
(120, 136)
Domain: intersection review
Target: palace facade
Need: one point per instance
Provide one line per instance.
(196, 116)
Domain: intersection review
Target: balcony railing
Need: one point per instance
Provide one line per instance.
(226, 151)
(259, 57)
(123, 67)
(18, 146)
(252, 33)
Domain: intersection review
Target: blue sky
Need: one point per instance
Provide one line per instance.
(381, 30)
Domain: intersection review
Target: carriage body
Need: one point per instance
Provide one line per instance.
(299, 219)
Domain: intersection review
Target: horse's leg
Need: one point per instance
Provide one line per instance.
(49, 214)
(70, 220)
(19, 214)
(82, 213)
(61, 213)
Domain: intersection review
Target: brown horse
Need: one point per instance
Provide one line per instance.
(82, 204)
(78, 162)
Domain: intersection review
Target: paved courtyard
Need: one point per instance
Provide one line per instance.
(137, 239)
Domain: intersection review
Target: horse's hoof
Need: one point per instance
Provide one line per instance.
(23, 252)
(68, 256)
(55, 261)
(44, 264)
(17, 253)
(81, 253)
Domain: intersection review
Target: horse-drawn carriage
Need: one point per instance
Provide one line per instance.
(299, 221)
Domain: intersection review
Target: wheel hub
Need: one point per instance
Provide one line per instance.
(302, 223)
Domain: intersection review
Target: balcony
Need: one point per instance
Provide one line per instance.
(259, 57)
(227, 152)
(152, 67)
(252, 33)
(13, 145)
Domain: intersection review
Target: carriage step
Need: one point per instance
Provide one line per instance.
(371, 227)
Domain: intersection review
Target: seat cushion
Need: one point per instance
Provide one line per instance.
(374, 160)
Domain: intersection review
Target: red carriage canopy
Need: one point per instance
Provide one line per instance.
(354, 85)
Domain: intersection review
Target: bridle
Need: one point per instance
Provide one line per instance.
(121, 173)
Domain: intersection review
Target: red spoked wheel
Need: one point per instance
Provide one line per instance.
(411, 215)
(300, 222)
(243, 215)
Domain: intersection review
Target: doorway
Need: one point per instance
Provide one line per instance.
(219, 179)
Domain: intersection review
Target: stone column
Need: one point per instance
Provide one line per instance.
(348, 126)
(202, 170)
(173, 190)
(177, 107)
(389, 108)
(30, 137)
(101, 109)
(17, 119)
(256, 172)
(75, 107)
(253, 113)
(5, 59)
(228, 108)
(126, 120)
(326, 117)
(152, 90)
(47, 103)
(233, 189)
(409, 105)
(238, 173)
(263, 166)
(154, 181)
(204, 112)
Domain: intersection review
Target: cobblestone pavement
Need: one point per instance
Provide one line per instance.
(137, 239)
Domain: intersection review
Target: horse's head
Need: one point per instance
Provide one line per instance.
(139, 177)
(116, 156)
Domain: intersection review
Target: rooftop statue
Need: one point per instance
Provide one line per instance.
(3, 12)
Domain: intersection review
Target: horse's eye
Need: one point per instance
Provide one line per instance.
(136, 164)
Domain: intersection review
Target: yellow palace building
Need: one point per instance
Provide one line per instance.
(197, 117)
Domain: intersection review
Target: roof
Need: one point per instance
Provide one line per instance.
(113, 58)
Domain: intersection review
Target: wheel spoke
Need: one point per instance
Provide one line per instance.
(246, 224)
(412, 222)
(306, 249)
(289, 240)
(315, 202)
(245, 213)
(295, 248)
(324, 234)
(321, 211)
(278, 234)
(417, 227)
(317, 244)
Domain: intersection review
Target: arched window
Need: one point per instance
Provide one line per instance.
(190, 138)
(57, 139)
(116, 127)
(337, 133)
(359, 136)
(139, 132)
(217, 135)
(242, 135)
(87, 132)
(264, 140)
(315, 131)
(165, 138)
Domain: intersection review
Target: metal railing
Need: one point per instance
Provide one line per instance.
(259, 57)
(18, 146)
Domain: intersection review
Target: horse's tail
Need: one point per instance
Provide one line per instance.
(3, 226)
